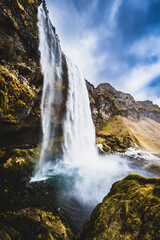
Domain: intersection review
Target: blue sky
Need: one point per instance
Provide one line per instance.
(115, 41)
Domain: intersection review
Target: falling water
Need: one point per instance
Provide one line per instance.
(89, 174)
(50, 60)
(79, 132)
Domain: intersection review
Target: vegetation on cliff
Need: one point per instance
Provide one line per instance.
(16, 98)
(131, 210)
(119, 133)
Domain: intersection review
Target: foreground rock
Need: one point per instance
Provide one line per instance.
(29, 210)
(131, 210)
(34, 224)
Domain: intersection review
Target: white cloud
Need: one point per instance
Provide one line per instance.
(137, 80)
(140, 76)
(114, 11)
(81, 53)
(83, 45)
(146, 47)
(145, 94)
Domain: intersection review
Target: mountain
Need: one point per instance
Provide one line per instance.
(122, 122)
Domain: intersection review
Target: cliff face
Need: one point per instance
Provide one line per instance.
(121, 121)
(107, 102)
(129, 211)
(20, 74)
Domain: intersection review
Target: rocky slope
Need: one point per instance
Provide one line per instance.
(119, 133)
(107, 102)
(121, 121)
(129, 211)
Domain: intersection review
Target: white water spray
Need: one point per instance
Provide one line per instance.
(50, 59)
(92, 174)
(79, 131)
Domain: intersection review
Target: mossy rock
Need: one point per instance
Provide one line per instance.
(130, 211)
(117, 134)
(16, 168)
(33, 224)
(106, 147)
(16, 98)
(111, 143)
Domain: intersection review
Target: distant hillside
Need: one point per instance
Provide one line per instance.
(121, 121)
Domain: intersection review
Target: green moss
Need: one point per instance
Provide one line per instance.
(115, 134)
(21, 103)
(33, 223)
(8, 164)
(27, 10)
(129, 211)
(2, 152)
(14, 97)
(21, 162)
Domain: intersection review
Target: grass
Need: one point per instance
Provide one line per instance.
(145, 133)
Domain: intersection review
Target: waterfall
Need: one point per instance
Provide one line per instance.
(51, 64)
(81, 169)
(87, 174)
(81, 174)
(79, 131)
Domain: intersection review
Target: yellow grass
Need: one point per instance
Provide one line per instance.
(145, 132)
